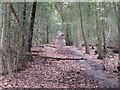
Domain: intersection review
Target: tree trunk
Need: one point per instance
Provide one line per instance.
(24, 12)
(47, 34)
(78, 35)
(65, 26)
(83, 32)
(1, 51)
(117, 13)
(68, 38)
(119, 29)
(23, 50)
(4, 39)
(103, 32)
(31, 26)
(14, 12)
(99, 45)
(118, 24)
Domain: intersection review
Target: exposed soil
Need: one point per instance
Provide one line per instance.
(51, 73)
(104, 79)
(94, 67)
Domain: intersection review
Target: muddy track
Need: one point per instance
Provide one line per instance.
(48, 73)
(95, 70)
(104, 79)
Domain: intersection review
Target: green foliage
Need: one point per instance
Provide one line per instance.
(52, 13)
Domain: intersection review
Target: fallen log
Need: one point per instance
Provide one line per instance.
(34, 51)
(53, 46)
(58, 58)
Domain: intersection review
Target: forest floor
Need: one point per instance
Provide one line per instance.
(56, 73)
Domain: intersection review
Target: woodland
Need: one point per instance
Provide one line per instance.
(59, 45)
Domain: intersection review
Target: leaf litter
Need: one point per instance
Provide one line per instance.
(50, 73)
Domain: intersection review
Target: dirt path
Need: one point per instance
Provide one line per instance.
(92, 67)
(104, 79)
(48, 73)
(95, 69)
(53, 74)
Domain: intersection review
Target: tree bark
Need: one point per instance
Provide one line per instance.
(99, 45)
(14, 12)
(83, 32)
(117, 13)
(31, 26)
(78, 35)
(119, 31)
(103, 32)
(4, 38)
(68, 37)
(23, 50)
(47, 34)
(24, 12)
(1, 51)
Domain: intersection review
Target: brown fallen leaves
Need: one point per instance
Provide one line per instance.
(46, 73)
(52, 74)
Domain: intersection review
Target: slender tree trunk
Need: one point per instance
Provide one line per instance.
(1, 51)
(104, 41)
(14, 12)
(118, 24)
(118, 31)
(65, 26)
(117, 13)
(47, 34)
(68, 37)
(24, 12)
(31, 26)
(99, 46)
(23, 50)
(4, 38)
(103, 32)
(83, 32)
(78, 34)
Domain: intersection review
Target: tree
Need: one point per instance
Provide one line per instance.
(24, 38)
(119, 30)
(47, 31)
(103, 29)
(4, 38)
(65, 26)
(14, 38)
(83, 32)
(99, 45)
(117, 12)
(31, 26)
(1, 26)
